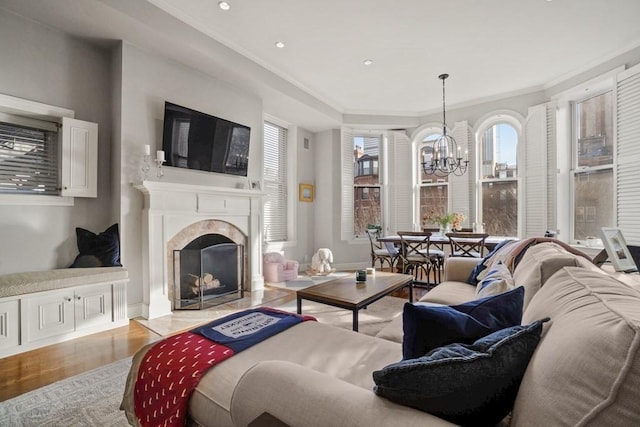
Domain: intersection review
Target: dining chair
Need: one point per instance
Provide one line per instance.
(383, 252)
(467, 244)
(418, 256)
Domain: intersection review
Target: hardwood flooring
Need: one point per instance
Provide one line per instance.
(33, 369)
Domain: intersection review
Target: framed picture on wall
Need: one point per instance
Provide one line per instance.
(306, 193)
(617, 250)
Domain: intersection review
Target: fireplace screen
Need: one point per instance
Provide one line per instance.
(208, 271)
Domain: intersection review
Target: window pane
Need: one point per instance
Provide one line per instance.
(499, 152)
(595, 131)
(593, 203)
(434, 199)
(500, 207)
(366, 180)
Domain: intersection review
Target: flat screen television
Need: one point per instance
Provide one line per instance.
(195, 140)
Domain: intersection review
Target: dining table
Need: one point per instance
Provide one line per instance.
(440, 241)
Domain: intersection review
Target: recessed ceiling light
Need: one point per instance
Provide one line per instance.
(224, 5)
(279, 45)
(367, 62)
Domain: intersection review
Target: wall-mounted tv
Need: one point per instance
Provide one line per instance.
(196, 140)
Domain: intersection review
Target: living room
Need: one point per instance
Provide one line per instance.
(123, 85)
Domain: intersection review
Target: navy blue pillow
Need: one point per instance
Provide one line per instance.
(98, 250)
(429, 326)
(480, 267)
(470, 385)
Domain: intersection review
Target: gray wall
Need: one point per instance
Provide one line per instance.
(49, 67)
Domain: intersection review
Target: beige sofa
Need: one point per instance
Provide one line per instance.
(585, 370)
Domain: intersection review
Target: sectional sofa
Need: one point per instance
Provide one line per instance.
(584, 370)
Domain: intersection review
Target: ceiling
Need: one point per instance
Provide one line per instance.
(489, 48)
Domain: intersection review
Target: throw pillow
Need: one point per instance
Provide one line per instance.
(98, 250)
(465, 384)
(429, 327)
(482, 265)
(497, 281)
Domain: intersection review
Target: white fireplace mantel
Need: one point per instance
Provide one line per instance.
(170, 208)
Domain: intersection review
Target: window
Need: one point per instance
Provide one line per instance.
(593, 166)
(366, 183)
(275, 182)
(28, 156)
(499, 180)
(434, 190)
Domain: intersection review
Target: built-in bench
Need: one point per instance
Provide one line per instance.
(45, 307)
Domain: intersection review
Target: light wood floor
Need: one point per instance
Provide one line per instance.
(33, 369)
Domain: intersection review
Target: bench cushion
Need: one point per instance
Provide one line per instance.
(39, 281)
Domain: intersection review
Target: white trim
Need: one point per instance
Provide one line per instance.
(32, 200)
(35, 110)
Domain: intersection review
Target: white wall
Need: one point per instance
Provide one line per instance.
(147, 82)
(50, 67)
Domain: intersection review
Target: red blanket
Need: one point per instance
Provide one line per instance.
(171, 369)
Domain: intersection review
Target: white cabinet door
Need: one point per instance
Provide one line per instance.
(48, 314)
(93, 306)
(79, 158)
(9, 324)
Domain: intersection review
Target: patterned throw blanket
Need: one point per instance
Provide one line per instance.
(172, 368)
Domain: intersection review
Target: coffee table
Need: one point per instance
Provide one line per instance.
(345, 292)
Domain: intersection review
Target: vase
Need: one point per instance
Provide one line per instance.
(445, 229)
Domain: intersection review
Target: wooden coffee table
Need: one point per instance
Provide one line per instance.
(345, 292)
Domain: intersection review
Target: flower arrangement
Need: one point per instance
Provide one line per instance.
(454, 219)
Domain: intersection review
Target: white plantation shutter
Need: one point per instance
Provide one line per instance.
(347, 165)
(400, 200)
(460, 192)
(534, 183)
(552, 167)
(275, 182)
(628, 154)
(28, 158)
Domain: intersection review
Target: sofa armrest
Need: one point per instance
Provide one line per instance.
(301, 397)
(458, 269)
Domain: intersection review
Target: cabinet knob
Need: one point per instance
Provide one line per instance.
(78, 297)
(67, 299)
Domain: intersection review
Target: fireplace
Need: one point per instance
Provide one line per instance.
(208, 271)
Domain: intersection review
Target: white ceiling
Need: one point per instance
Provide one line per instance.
(489, 47)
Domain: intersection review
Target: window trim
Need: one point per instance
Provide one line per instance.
(38, 111)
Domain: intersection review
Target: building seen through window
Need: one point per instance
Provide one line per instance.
(366, 182)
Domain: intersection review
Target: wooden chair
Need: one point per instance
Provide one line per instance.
(417, 256)
(382, 252)
(467, 244)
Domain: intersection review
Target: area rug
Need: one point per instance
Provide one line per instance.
(88, 399)
(304, 281)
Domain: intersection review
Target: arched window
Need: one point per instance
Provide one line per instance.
(434, 190)
(498, 179)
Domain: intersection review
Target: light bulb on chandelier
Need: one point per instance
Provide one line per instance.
(443, 157)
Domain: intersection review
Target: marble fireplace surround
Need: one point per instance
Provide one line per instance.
(175, 214)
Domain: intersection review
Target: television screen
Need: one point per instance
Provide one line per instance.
(196, 140)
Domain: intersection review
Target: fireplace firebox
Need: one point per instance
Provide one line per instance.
(208, 271)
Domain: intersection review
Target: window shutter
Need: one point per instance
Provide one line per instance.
(552, 167)
(28, 160)
(628, 153)
(399, 188)
(346, 214)
(534, 196)
(459, 188)
(275, 182)
(79, 158)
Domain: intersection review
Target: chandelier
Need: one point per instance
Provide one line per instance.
(443, 156)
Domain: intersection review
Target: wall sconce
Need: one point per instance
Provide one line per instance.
(159, 162)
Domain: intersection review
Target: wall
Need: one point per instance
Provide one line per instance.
(46, 66)
(147, 82)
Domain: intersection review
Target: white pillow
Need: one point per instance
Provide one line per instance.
(497, 280)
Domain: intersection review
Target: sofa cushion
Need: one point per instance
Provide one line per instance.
(427, 327)
(497, 281)
(539, 263)
(450, 293)
(486, 261)
(466, 384)
(586, 369)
